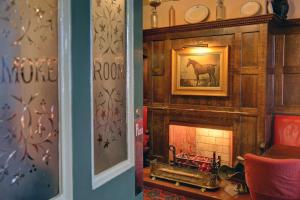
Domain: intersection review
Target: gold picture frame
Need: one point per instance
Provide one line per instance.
(201, 71)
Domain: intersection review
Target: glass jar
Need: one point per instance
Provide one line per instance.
(154, 19)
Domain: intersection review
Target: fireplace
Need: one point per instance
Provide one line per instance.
(195, 145)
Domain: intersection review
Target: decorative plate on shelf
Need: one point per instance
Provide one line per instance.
(250, 8)
(196, 14)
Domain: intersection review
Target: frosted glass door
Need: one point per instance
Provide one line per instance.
(109, 84)
(29, 138)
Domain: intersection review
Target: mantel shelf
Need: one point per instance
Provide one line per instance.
(262, 19)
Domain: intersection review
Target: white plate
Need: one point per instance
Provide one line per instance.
(196, 14)
(250, 8)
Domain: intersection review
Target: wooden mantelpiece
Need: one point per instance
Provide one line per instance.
(262, 19)
(264, 72)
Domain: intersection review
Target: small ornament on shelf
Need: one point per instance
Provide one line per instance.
(281, 8)
(269, 7)
(220, 10)
(154, 15)
(172, 21)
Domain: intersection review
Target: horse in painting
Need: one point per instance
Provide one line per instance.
(203, 69)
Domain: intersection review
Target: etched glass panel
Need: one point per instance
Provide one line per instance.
(29, 159)
(109, 83)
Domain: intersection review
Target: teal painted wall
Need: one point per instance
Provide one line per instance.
(138, 51)
(122, 187)
(138, 61)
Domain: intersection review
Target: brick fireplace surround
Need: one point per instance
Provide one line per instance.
(202, 142)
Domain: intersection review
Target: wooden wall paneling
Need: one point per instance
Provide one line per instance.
(249, 69)
(291, 70)
(248, 134)
(146, 75)
(158, 89)
(167, 75)
(249, 90)
(159, 141)
(279, 59)
(158, 71)
(236, 138)
(270, 89)
(271, 73)
(148, 59)
(291, 89)
(262, 85)
(250, 49)
(292, 50)
(236, 93)
(166, 136)
(229, 40)
(158, 58)
(146, 92)
(287, 71)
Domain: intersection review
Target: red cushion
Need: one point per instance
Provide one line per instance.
(272, 179)
(287, 130)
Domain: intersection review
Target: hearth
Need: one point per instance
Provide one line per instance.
(195, 146)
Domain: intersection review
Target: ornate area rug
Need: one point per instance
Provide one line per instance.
(157, 194)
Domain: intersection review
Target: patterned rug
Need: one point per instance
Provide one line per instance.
(157, 194)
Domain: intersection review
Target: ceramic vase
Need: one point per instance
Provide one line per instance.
(269, 7)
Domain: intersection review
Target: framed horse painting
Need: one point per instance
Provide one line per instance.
(200, 71)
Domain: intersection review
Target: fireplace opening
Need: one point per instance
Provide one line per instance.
(195, 146)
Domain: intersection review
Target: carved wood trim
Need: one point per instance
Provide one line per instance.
(245, 112)
(271, 18)
(292, 22)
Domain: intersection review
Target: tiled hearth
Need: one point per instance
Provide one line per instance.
(202, 141)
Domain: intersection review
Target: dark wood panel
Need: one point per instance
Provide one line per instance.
(292, 50)
(158, 89)
(249, 91)
(291, 91)
(146, 82)
(236, 93)
(291, 69)
(158, 60)
(250, 49)
(279, 57)
(287, 73)
(249, 70)
(288, 110)
(159, 141)
(248, 134)
(270, 92)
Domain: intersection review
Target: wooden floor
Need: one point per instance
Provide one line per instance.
(188, 191)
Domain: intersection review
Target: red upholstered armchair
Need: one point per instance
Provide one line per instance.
(272, 179)
(287, 130)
